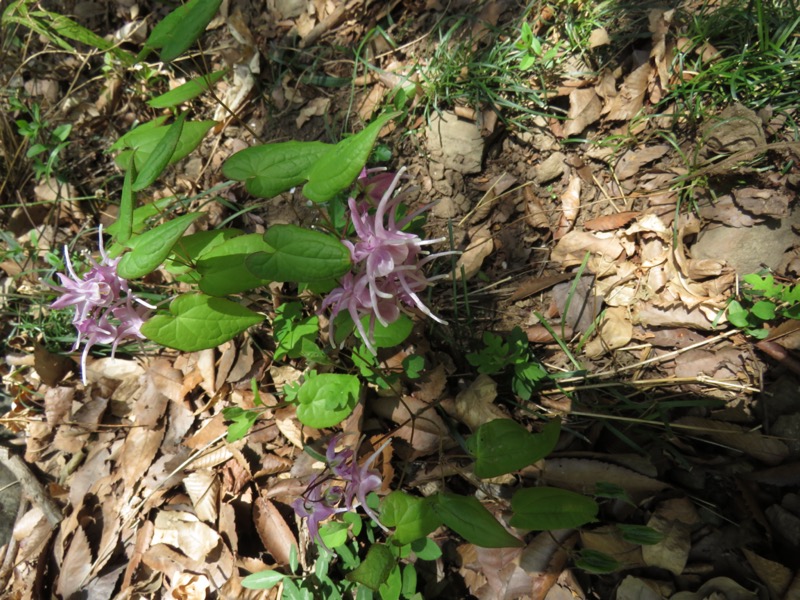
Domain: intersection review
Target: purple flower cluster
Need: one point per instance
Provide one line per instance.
(336, 492)
(104, 309)
(388, 263)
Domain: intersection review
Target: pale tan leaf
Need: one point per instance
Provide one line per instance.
(315, 108)
(726, 587)
(189, 586)
(203, 489)
(775, 576)
(475, 406)
(633, 160)
(185, 531)
(584, 109)
(581, 475)
(570, 205)
(633, 588)
(275, 534)
(58, 404)
(598, 37)
(672, 552)
(611, 222)
(76, 565)
(614, 331)
(545, 558)
(571, 248)
(470, 262)
(608, 540)
(539, 334)
(630, 99)
(769, 450)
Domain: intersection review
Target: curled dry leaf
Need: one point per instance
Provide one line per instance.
(203, 489)
(718, 587)
(480, 247)
(614, 331)
(608, 540)
(584, 109)
(475, 406)
(769, 450)
(630, 98)
(672, 552)
(273, 530)
(545, 558)
(611, 222)
(535, 214)
(633, 160)
(582, 476)
(775, 576)
(570, 205)
(571, 248)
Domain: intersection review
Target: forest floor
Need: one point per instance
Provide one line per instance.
(612, 178)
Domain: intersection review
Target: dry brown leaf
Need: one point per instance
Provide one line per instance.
(475, 406)
(763, 203)
(775, 576)
(571, 249)
(608, 540)
(633, 160)
(470, 262)
(535, 214)
(584, 109)
(582, 475)
(614, 331)
(539, 334)
(203, 489)
(633, 588)
(275, 534)
(545, 558)
(570, 205)
(718, 588)
(769, 450)
(533, 285)
(630, 99)
(420, 426)
(498, 572)
(315, 108)
(599, 37)
(611, 222)
(673, 316)
(783, 475)
(672, 552)
(76, 566)
(184, 530)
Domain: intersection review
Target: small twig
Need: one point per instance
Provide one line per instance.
(34, 490)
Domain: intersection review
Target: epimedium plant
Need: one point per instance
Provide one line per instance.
(368, 264)
(762, 300)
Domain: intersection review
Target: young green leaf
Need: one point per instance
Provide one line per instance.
(469, 518)
(187, 91)
(337, 169)
(222, 268)
(181, 28)
(593, 561)
(764, 310)
(197, 322)
(160, 156)
(503, 446)
(300, 255)
(426, 549)
(737, 315)
(263, 580)
(334, 534)
(412, 517)
(190, 248)
(141, 146)
(391, 588)
(152, 247)
(242, 422)
(295, 335)
(545, 509)
(640, 534)
(326, 400)
(270, 169)
(389, 336)
(140, 217)
(375, 568)
(126, 207)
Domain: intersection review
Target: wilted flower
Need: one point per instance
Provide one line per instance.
(388, 273)
(338, 493)
(98, 296)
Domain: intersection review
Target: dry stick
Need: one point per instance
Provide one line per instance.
(33, 489)
(328, 23)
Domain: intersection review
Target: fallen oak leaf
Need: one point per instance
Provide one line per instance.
(611, 222)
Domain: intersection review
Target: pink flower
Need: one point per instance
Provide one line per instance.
(388, 273)
(350, 482)
(98, 296)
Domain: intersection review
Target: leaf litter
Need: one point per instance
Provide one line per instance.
(157, 499)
